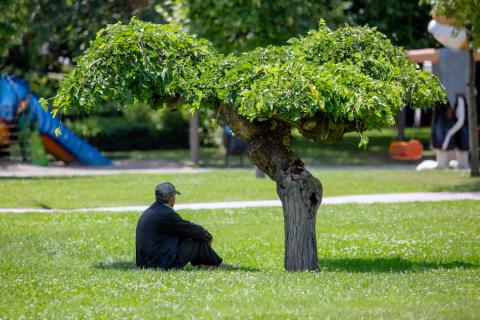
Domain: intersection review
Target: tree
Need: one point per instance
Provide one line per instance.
(324, 84)
(466, 14)
(404, 22)
(40, 38)
(239, 25)
(12, 23)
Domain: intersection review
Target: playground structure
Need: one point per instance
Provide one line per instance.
(22, 114)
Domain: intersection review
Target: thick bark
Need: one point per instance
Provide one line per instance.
(301, 195)
(300, 192)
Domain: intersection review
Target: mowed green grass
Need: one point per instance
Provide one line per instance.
(217, 185)
(391, 261)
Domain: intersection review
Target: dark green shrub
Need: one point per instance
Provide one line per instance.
(123, 132)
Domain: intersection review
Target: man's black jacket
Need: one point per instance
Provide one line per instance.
(159, 232)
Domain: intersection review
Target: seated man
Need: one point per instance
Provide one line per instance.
(164, 240)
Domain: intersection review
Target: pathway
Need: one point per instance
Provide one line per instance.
(20, 170)
(365, 198)
(148, 166)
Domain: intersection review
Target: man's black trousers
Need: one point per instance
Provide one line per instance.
(197, 253)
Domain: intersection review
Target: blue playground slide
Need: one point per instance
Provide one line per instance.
(12, 89)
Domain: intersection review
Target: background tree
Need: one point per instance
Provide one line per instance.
(12, 23)
(403, 22)
(324, 84)
(466, 14)
(40, 38)
(242, 25)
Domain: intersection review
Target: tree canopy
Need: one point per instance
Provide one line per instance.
(40, 38)
(354, 77)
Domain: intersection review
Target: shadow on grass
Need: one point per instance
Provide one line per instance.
(130, 265)
(463, 187)
(388, 265)
(116, 265)
(42, 205)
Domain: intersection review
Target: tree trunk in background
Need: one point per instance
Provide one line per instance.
(472, 117)
(401, 124)
(194, 139)
(301, 195)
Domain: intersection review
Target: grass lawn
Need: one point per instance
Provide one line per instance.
(343, 152)
(393, 261)
(218, 185)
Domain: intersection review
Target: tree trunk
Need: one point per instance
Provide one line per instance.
(472, 117)
(301, 195)
(401, 120)
(300, 192)
(194, 139)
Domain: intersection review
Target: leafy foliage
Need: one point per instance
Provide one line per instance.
(138, 62)
(12, 23)
(242, 25)
(239, 25)
(39, 38)
(404, 22)
(124, 133)
(354, 75)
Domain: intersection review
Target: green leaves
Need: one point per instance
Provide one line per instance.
(44, 103)
(239, 25)
(136, 63)
(353, 76)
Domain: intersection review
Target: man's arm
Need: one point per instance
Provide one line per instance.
(175, 224)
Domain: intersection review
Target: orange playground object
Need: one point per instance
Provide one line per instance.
(406, 150)
(4, 133)
(54, 148)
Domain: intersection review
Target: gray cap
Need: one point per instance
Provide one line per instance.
(166, 189)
